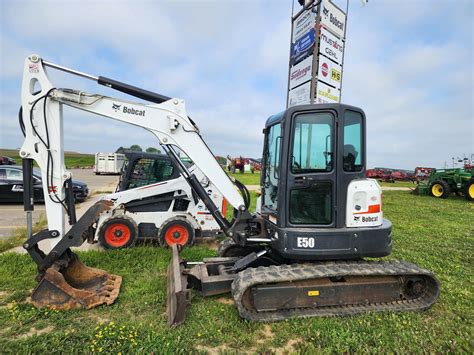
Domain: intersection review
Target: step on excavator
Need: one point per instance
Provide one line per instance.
(300, 254)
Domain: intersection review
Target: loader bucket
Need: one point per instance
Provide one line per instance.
(75, 286)
(177, 293)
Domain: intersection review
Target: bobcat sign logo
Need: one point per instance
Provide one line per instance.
(115, 107)
(333, 18)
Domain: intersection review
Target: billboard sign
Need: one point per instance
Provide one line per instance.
(333, 18)
(302, 24)
(300, 95)
(301, 72)
(326, 94)
(303, 47)
(331, 46)
(329, 72)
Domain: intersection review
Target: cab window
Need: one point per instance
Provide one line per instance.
(150, 171)
(353, 131)
(272, 165)
(312, 143)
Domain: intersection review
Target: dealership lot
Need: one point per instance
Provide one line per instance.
(12, 216)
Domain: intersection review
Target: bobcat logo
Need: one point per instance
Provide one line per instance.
(325, 11)
(356, 218)
(116, 107)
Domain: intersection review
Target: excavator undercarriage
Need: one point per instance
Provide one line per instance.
(282, 291)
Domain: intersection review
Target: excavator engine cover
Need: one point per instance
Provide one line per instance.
(75, 286)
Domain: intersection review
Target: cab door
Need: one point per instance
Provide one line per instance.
(311, 174)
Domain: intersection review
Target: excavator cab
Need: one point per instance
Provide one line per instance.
(314, 187)
(316, 205)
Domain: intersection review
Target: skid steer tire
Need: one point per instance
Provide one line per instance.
(177, 231)
(440, 189)
(469, 190)
(118, 233)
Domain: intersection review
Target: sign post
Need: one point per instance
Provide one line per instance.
(317, 54)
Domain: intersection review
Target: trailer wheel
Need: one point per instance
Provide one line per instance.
(440, 189)
(469, 190)
(177, 231)
(118, 233)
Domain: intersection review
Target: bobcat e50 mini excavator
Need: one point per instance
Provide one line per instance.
(299, 255)
(154, 202)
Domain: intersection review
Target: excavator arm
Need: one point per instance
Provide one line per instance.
(60, 271)
(167, 120)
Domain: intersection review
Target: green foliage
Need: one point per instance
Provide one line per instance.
(71, 159)
(152, 150)
(136, 148)
(435, 234)
(221, 160)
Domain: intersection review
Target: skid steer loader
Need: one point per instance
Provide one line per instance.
(300, 255)
(154, 202)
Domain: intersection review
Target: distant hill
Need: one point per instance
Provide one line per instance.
(72, 159)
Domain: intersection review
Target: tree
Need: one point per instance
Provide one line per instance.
(136, 148)
(120, 150)
(152, 150)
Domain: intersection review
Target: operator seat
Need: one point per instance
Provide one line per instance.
(349, 157)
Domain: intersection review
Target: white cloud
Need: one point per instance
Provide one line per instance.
(229, 60)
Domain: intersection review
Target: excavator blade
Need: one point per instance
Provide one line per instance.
(177, 292)
(75, 286)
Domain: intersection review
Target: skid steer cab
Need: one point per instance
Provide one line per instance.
(153, 202)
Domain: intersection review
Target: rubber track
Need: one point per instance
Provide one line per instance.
(298, 272)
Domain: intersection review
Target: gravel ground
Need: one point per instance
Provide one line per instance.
(12, 216)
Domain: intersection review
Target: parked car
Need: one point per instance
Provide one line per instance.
(7, 161)
(11, 185)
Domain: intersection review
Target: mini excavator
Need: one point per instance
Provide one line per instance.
(300, 254)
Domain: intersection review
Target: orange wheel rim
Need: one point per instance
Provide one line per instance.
(176, 234)
(117, 235)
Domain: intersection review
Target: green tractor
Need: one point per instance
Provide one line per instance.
(442, 182)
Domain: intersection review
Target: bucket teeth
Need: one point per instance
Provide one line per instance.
(76, 286)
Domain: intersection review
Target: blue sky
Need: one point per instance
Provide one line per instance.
(408, 64)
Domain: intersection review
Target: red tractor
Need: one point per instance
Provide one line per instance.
(239, 163)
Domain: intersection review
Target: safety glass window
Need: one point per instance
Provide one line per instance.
(311, 205)
(313, 136)
(150, 171)
(352, 157)
(271, 168)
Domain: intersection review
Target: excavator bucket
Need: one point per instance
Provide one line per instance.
(64, 281)
(75, 286)
(177, 292)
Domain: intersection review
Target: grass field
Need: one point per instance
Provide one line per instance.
(71, 159)
(247, 178)
(436, 234)
(254, 179)
(398, 184)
